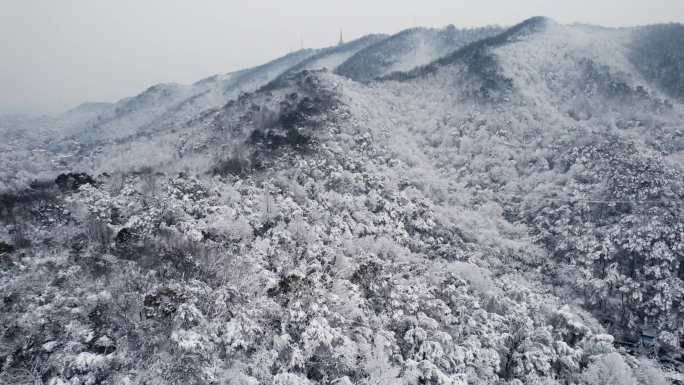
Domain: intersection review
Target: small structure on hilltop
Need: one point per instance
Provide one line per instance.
(649, 335)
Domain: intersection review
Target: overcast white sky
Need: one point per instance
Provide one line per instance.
(59, 53)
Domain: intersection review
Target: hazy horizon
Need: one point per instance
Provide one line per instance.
(59, 56)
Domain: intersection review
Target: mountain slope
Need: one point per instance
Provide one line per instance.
(409, 49)
(657, 54)
(163, 105)
(329, 58)
(569, 139)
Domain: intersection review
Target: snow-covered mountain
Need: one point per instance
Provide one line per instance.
(166, 105)
(506, 209)
(329, 58)
(409, 49)
(657, 55)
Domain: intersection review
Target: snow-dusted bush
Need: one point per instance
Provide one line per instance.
(609, 369)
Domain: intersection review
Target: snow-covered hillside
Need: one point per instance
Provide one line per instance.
(409, 49)
(508, 213)
(168, 105)
(330, 58)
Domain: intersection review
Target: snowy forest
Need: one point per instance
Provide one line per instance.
(447, 206)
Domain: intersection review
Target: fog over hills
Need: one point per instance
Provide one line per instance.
(441, 206)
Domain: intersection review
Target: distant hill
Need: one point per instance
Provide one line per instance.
(409, 49)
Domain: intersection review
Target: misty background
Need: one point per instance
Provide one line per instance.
(58, 54)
